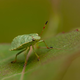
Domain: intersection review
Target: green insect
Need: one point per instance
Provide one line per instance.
(23, 43)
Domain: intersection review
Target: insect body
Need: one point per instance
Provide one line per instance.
(23, 43)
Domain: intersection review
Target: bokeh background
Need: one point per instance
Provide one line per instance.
(29, 16)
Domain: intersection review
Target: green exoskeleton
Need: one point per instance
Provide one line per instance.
(23, 43)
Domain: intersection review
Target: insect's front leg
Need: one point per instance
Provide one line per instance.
(47, 45)
(44, 43)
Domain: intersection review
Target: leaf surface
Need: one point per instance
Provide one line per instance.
(54, 64)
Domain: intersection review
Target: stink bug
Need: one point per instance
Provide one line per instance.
(23, 43)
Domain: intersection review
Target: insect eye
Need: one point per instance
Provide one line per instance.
(33, 39)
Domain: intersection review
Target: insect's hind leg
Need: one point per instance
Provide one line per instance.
(35, 53)
(17, 55)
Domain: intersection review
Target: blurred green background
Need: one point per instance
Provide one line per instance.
(28, 16)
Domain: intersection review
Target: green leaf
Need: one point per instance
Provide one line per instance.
(54, 64)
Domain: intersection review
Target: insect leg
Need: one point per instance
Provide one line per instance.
(46, 45)
(17, 55)
(35, 53)
(26, 58)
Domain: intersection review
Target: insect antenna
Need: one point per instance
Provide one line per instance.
(44, 27)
